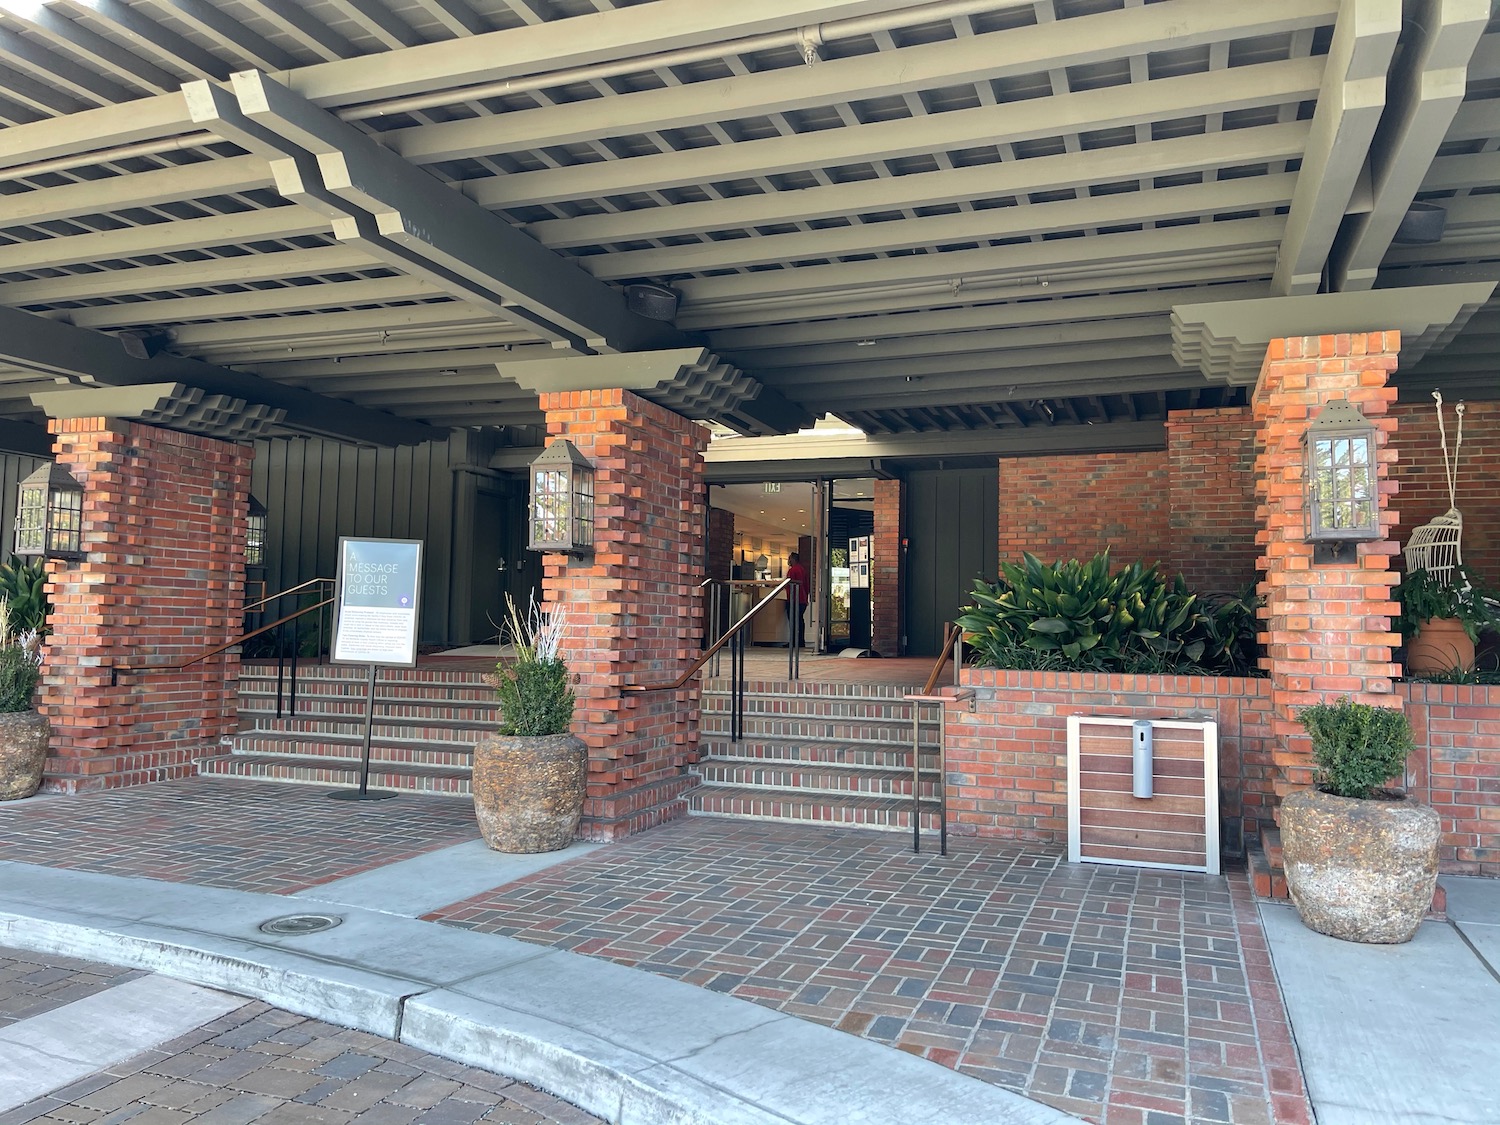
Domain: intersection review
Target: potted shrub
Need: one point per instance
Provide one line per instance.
(530, 776)
(1361, 859)
(1441, 622)
(23, 732)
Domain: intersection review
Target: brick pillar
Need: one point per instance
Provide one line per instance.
(162, 579)
(720, 544)
(636, 613)
(885, 576)
(1327, 628)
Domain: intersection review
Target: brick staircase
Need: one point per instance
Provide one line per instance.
(426, 725)
(813, 753)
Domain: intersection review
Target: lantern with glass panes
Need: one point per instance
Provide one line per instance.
(1341, 486)
(562, 500)
(49, 515)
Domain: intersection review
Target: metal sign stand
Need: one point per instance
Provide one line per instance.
(363, 792)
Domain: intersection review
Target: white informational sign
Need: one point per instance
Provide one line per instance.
(859, 562)
(378, 607)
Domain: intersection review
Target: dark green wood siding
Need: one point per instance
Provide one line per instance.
(952, 526)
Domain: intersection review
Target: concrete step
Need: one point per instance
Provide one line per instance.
(339, 773)
(828, 780)
(449, 755)
(891, 814)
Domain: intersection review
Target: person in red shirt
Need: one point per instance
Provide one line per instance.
(801, 587)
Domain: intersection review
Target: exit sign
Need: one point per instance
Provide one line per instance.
(773, 486)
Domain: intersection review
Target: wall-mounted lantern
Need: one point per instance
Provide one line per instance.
(1342, 491)
(49, 515)
(255, 533)
(562, 500)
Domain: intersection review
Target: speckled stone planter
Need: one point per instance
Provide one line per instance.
(528, 792)
(1360, 870)
(23, 751)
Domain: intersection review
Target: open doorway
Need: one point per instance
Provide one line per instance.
(754, 530)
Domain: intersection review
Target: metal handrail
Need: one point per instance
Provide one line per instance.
(953, 640)
(253, 606)
(953, 637)
(708, 654)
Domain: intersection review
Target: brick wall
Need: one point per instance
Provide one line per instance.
(1211, 498)
(1076, 506)
(1007, 760)
(163, 579)
(633, 605)
(1456, 769)
(720, 544)
(886, 588)
(1424, 489)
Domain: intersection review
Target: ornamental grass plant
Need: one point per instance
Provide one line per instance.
(20, 664)
(536, 693)
(1357, 747)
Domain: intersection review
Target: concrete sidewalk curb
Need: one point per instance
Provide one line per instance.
(635, 1048)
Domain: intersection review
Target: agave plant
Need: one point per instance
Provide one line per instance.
(23, 586)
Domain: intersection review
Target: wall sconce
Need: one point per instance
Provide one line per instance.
(562, 500)
(255, 533)
(49, 515)
(1341, 491)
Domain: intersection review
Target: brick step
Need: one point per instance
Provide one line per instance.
(390, 729)
(720, 686)
(1270, 844)
(400, 751)
(358, 673)
(794, 728)
(342, 774)
(872, 755)
(819, 706)
(827, 780)
(892, 814)
(263, 693)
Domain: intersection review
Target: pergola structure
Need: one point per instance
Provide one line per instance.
(959, 220)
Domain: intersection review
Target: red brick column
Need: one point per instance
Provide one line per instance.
(885, 576)
(163, 578)
(633, 605)
(1327, 628)
(720, 544)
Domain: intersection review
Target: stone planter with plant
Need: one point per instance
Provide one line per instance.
(24, 733)
(530, 777)
(1441, 622)
(1361, 859)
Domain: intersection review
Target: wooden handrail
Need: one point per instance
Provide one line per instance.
(951, 635)
(132, 669)
(708, 653)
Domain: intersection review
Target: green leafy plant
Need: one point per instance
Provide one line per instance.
(20, 664)
(1356, 747)
(1083, 616)
(23, 585)
(1424, 598)
(536, 694)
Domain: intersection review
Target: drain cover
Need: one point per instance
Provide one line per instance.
(300, 924)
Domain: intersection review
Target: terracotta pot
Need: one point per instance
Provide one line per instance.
(1361, 870)
(1441, 645)
(528, 791)
(23, 752)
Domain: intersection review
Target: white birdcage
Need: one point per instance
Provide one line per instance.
(1437, 546)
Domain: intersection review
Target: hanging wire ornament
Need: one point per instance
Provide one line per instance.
(1437, 546)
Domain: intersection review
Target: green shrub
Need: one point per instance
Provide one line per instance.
(536, 695)
(19, 672)
(23, 587)
(1075, 616)
(1423, 598)
(1356, 747)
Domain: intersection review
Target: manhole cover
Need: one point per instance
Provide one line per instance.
(300, 924)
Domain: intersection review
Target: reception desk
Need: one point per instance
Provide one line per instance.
(770, 625)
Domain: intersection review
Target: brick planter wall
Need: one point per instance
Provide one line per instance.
(1007, 760)
(1456, 769)
(635, 612)
(163, 528)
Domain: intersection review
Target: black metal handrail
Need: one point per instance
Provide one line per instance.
(735, 640)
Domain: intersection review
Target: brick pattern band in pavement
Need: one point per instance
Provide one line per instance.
(33, 983)
(1124, 996)
(242, 835)
(262, 1066)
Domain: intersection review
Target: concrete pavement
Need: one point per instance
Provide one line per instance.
(1398, 1034)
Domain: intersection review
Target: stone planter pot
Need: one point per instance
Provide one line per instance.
(1440, 645)
(528, 791)
(23, 752)
(1361, 870)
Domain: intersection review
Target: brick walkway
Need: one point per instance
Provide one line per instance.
(247, 836)
(262, 1066)
(1128, 997)
(33, 983)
